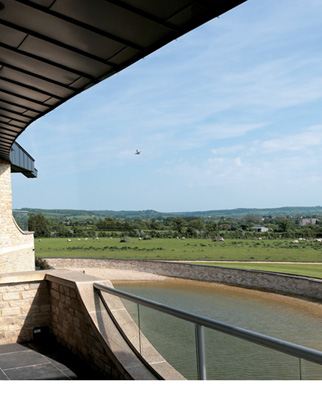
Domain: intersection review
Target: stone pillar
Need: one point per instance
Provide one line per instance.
(16, 246)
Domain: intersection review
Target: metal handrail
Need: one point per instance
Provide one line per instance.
(283, 346)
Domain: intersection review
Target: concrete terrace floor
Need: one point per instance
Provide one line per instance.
(34, 362)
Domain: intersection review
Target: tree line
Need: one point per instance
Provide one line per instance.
(173, 227)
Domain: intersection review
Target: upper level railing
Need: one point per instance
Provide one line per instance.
(22, 162)
(21, 217)
(201, 322)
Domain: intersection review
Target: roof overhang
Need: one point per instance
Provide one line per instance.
(52, 50)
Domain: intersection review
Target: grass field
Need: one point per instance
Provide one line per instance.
(188, 249)
(243, 251)
(303, 269)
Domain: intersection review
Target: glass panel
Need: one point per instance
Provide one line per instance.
(232, 358)
(132, 309)
(227, 357)
(21, 219)
(311, 370)
(126, 314)
(101, 315)
(173, 338)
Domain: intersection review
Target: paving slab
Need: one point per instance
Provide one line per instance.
(20, 358)
(3, 375)
(46, 371)
(5, 348)
(34, 361)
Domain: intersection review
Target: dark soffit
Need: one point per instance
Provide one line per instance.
(51, 50)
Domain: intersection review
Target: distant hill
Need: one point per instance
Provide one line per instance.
(153, 214)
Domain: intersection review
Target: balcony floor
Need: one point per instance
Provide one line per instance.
(34, 362)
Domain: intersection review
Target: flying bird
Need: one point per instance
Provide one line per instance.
(137, 152)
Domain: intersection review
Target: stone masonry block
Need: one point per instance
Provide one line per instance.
(29, 294)
(15, 303)
(10, 235)
(44, 308)
(10, 311)
(55, 295)
(10, 296)
(13, 288)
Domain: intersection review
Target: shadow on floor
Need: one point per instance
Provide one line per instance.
(42, 361)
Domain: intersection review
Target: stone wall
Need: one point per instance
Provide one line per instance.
(72, 329)
(65, 302)
(16, 246)
(304, 287)
(81, 323)
(35, 299)
(24, 304)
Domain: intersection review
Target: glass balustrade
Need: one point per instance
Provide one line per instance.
(310, 370)
(232, 358)
(192, 348)
(173, 338)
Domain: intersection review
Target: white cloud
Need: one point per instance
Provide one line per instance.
(226, 150)
(213, 131)
(312, 137)
(233, 90)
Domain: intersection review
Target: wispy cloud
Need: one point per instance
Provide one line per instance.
(298, 142)
(232, 109)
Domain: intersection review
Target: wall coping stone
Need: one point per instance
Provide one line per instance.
(22, 277)
(71, 278)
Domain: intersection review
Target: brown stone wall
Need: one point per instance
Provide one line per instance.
(66, 303)
(23, 306)
(73, 329)
(16, 246)
(81, 323)
(273, 282)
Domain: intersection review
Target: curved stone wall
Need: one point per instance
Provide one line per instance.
(298, 286)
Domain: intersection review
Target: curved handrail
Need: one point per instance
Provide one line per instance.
(283, 346)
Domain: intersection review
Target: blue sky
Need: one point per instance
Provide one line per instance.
(227, 116)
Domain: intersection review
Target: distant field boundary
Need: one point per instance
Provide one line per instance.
(244, 261)
(281, 283)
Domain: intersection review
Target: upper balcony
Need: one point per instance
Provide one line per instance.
(22, 162)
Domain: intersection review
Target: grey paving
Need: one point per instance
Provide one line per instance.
(11, 348)
(3, 375)
(17, 359)
(45, 371)
(34, 362)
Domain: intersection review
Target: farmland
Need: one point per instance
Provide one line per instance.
(181, 249)
(302, 269)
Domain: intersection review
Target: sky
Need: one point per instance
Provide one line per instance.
(227, 116)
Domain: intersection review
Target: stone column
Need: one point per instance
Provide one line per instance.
(16, 246)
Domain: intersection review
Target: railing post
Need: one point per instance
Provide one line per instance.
(139, 327)
(200, 350)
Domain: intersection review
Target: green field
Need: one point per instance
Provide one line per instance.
(194, 250)
(177, 249)
(303, 269)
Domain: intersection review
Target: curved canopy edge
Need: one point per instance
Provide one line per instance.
(51, 50)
